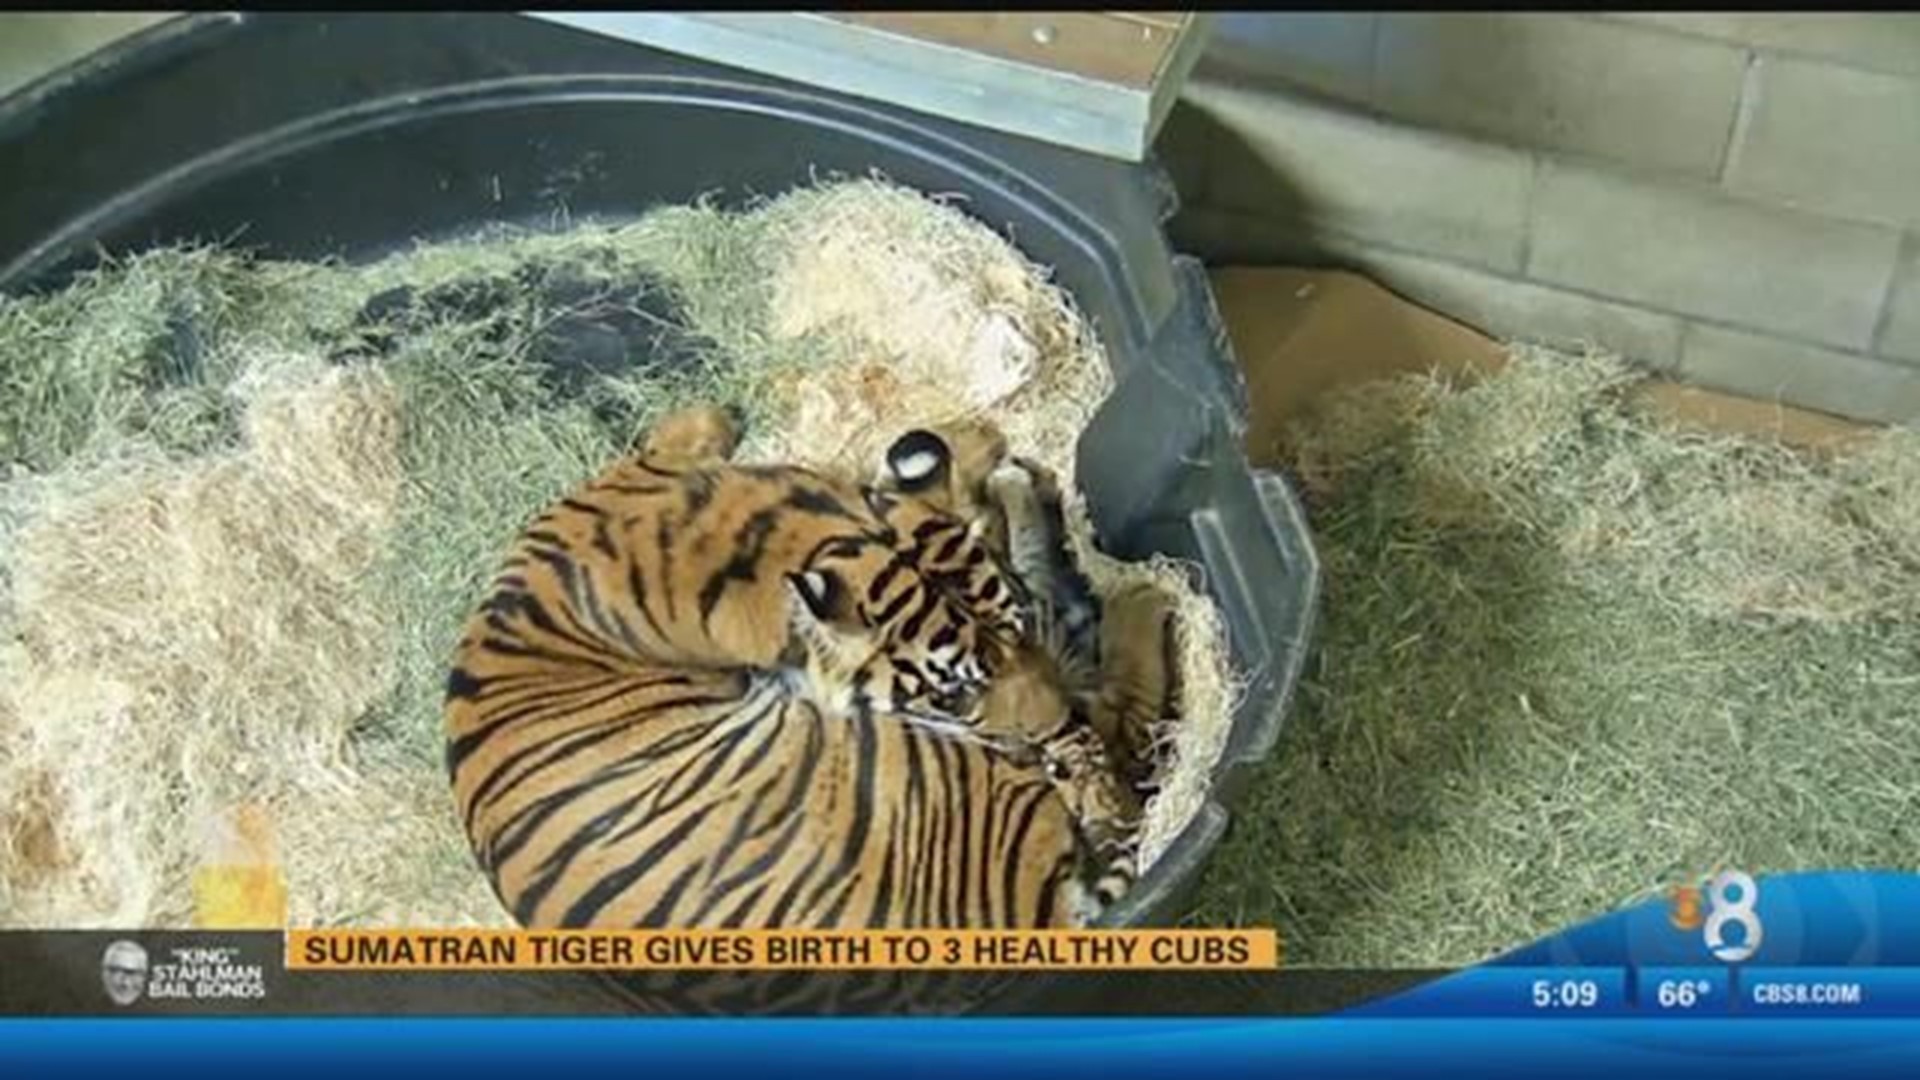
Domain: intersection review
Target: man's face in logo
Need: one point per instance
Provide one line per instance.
(124, 970)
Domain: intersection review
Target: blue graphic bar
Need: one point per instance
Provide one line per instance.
(852, 1050)
(1683, 991)
(1832, 992)
(1709, 992)
(1512, 991)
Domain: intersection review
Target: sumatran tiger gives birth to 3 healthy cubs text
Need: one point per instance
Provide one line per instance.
(706, 694)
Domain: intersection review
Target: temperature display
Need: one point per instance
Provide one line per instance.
(1683, 991)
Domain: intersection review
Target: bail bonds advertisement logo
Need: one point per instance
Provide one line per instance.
(185, 973)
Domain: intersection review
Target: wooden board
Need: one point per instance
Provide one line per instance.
(1102, 82)
(1128, 49)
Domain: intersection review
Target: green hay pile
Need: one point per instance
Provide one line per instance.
(1571, 656)
(237, 554)
(245, 507)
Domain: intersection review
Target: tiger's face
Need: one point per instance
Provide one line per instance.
(926, 618)
(883, 633)
(937, 661)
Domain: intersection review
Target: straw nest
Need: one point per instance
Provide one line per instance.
(246, 505)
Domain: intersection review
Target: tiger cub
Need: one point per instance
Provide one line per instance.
(1127, 679)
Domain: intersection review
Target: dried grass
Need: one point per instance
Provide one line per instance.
(129, 573)
(1570, 656)
(256, 606)
(233, 570)
(921, 315)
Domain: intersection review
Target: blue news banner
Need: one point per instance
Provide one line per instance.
(1827, 945)
(1675, 986)
(1507, 991)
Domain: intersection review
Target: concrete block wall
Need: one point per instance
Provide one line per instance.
(1734, 198)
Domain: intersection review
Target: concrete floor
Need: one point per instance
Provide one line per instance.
(36, 42)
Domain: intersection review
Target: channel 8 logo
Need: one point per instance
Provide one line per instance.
(1731, 897)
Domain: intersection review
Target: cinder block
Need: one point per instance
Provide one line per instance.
(1692, 250)
(1326, 52)
(1900, 337)
(1832, 139)
(1559, 82)
(1774, 370)
(1278, 157)
(1522, 311)
(1882, 41)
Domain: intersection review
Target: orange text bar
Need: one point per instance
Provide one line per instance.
(773, 950)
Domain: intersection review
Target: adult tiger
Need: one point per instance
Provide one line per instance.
(684, 705)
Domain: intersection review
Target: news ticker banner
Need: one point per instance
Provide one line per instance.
(1501, 989)
(582, 973)
(782, 950)
(1735, 946)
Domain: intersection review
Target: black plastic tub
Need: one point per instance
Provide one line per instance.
(304, 136)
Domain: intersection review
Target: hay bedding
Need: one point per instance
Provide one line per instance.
(1568, 656)
(1571, 656)
(246, 506)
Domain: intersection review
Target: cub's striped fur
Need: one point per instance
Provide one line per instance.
(714, 695)
(1128, 679)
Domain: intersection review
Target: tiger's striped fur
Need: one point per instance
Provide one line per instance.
(674, 556)
(682, 706)
(1129, 678)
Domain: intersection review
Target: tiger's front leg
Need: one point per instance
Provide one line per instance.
(1026, 496)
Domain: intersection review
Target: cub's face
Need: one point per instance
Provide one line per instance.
(1081, 771)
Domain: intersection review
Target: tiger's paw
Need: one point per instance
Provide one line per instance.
(1011, 486)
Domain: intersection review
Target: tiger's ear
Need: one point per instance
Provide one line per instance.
(918, 461)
